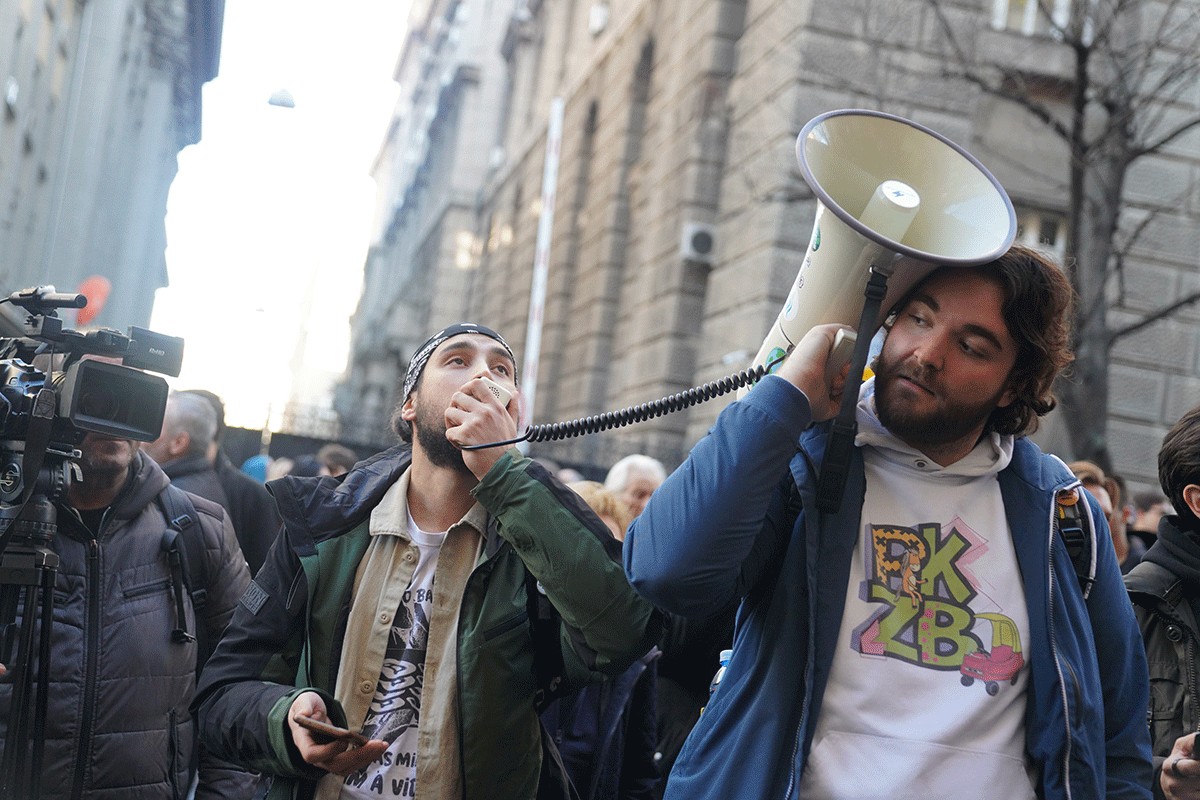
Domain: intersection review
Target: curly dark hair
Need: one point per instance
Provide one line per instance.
(1038, 310)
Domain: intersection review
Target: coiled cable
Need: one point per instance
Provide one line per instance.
(553, 431)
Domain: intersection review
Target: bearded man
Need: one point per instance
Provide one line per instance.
(932, 634)
(432, 599)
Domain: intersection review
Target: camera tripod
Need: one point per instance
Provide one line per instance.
(27, 574)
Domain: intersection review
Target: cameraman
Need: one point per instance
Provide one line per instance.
(118, 724)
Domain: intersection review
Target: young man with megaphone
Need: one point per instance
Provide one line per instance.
(931, 633)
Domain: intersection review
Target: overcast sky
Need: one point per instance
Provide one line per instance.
(269, 218)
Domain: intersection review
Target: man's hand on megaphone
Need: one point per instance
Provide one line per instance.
(805, 368)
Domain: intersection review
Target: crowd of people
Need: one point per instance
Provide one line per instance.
(449, 619)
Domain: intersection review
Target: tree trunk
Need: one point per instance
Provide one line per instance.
(1084, 389)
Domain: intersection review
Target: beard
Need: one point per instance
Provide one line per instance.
(949, 422)
(105, 458)
(429, 428)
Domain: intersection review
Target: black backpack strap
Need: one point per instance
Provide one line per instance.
(550, 674)
(183, 541)
(546, 628)
(1075, 528)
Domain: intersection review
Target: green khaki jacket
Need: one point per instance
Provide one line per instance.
(518, 648)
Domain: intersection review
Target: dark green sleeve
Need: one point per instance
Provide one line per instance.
(566, 547)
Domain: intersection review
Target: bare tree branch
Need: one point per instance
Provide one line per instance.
(1132, 68)
(1166, 138)
(1122, 249)
(1010, 78)
(1152, 317)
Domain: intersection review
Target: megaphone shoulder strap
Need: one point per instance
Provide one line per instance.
(836, 464)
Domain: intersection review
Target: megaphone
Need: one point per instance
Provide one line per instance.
(894, 197)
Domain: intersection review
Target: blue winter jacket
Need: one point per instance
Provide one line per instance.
(734, 521)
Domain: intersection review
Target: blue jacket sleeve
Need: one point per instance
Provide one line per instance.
(707, 532)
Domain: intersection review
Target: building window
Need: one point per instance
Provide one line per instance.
(1042, 230)
(1027, 17)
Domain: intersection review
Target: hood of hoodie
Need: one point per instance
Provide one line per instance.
(147, 481)
(991, 454)
(1177, 549)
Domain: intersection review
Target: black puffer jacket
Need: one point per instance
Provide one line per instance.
(250, 506)
(196, 475)
(118, 724)
(1164, 588)
(255, 518)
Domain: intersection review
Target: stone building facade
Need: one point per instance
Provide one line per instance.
(680, 216)
(98, 99)
(430, 170)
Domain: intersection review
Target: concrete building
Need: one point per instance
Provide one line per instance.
(435, 159)
(681, 219)
(98, 99)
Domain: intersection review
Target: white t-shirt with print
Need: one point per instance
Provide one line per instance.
(927, 690)
(395, 709)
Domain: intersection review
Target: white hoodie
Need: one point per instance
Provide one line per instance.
(926, 696)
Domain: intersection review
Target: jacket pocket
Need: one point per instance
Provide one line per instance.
(907, 768)
(507, 625)
(144, 604)
(1165, 715)
(141, 590)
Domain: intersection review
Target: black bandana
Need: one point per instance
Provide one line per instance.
(416, 364)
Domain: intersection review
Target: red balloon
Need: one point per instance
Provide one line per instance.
(95, 288)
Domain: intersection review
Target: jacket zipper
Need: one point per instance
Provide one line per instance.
(1190, 650)
(1058, 666)
(796, 746)
(1192, 679)
(173, 759)
(91, 633)
(806, 703)
(458, 705)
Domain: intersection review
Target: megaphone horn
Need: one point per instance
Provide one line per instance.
(894, 197)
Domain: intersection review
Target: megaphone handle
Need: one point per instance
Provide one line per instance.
(836, 465)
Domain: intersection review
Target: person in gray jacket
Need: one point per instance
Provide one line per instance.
(1165, 590)
(126, 636)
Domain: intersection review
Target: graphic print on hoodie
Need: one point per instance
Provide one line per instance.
(929, 678)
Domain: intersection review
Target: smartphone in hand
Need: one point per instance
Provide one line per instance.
(324, 733)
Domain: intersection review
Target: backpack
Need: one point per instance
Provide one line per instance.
(1078, 535)
(183, 542)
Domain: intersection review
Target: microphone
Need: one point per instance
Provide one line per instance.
(46, 297)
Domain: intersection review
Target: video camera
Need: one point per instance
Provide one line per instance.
(51, 394)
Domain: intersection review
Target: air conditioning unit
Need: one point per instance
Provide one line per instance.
(11, 90)
(698, 242)
(598, 18)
